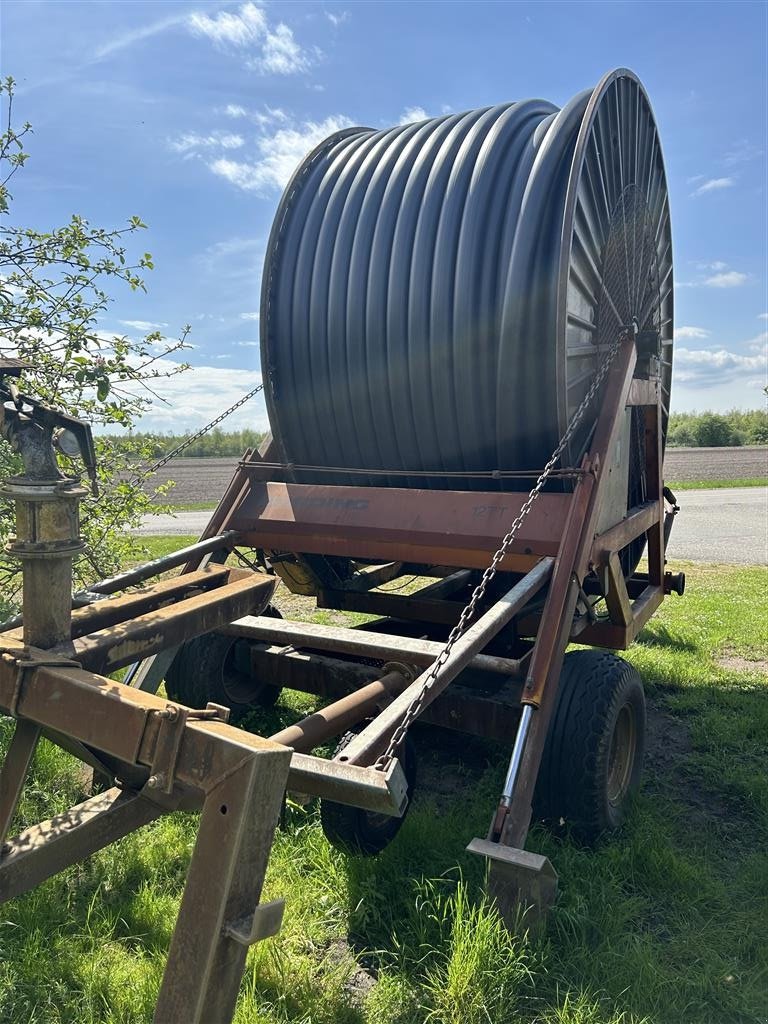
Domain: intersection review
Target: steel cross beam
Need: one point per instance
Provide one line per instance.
(454, 528)
(385, 646)
(123, 724)
(369, 743)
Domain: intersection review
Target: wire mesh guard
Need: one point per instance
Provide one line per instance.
(630, 293)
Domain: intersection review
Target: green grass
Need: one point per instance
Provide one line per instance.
(700, 485)
(192, 506)
(665, 923)
(157, 547)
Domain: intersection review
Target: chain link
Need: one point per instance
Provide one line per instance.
(414, 708)
(145, 474)
(200, 433)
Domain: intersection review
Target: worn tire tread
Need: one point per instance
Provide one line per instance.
(594, 685)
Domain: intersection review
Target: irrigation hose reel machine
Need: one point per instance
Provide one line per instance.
(467, 349)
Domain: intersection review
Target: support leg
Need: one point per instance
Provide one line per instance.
(14, 772)
(219, 913)
(45, 849)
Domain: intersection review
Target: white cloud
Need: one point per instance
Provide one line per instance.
(337, 19)
(713, 185)
(281, 54)
(249, 316)
(705, 368)
(690, 332)
(245, 28)
(230, 247)
(762, 316)
(196, 396)
(244, 176)
(272, 50)
(716, 265)
(278, 155)
(411, 114)
(142, 325)
(729, 279)
(723, 278)
(191, 141)
(137, 35)
(235, 110)
(742, 152)
(270, 116)
(247, 344)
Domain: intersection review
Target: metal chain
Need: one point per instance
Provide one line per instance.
(414, 708)
(90, 549)
(200, 433)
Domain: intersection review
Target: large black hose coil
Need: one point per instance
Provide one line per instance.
(437, 296)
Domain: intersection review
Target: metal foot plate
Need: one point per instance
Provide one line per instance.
(522, 884)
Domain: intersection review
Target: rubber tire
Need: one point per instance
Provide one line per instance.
(202, 672)
(572, 788)
(359, 832)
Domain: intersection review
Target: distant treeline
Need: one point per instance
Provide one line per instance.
(694, 429)
(718, 430)
(215, 443)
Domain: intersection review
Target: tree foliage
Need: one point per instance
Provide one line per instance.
(716, 430)
(217, 443)
(53, 296)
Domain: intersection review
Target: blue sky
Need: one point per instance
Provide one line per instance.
(193, 115)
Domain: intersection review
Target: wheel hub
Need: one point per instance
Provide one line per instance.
(621, 757)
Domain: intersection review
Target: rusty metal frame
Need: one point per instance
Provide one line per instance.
(487, 706)
(454, 528)
(362, 642)
(236, 779)
(370, 742)
(511, 823)
(168, 757)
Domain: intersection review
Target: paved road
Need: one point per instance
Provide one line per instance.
(182, 522)
(723, 526)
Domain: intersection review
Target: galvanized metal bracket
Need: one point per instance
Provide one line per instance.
(263, 923)
(173, 720)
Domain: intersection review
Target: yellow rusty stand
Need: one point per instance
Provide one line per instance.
(47, 539)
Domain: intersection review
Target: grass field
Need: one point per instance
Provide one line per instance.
(665, 923)
(699, 485)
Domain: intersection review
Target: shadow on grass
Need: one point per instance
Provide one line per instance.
(658, 635)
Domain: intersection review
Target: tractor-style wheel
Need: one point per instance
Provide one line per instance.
(356, 831)
(206, 669)
(593, 755)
